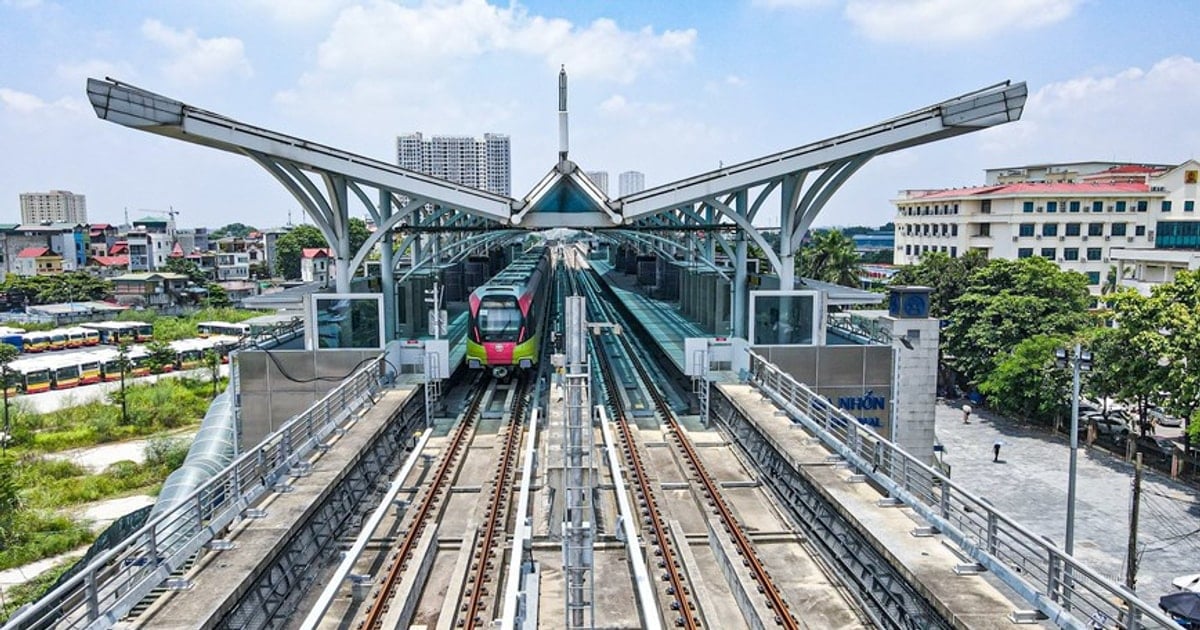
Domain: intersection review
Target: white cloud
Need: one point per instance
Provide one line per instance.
(194, 59)
(391, 38)
(950, 21)
(1130, 114)
(25, 103)
(299, 11)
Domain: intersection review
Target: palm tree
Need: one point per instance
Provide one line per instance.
(830, 257)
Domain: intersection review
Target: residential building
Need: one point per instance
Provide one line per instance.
(37, 261)
(192, 239)
(631, 182)
(483, 163)
(109, 266)
(68, 240)
(150, 242)
(1080, 218)
(101, 238)
(149, 288)
(56, 206)
(600, 179)
(233, 266)
(316, 265)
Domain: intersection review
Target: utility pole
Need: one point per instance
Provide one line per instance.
(1131, 561)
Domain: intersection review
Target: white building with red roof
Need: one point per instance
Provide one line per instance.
(1082, 216)
(316, 264)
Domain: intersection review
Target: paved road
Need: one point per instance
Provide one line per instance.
(1030, 484)
(96, 458)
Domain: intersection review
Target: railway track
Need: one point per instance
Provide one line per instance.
(713, 497)
(430, 504)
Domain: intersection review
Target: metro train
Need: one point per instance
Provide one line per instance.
(506, 315)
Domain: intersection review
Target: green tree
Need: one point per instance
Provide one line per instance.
(212, 361)
(161, 356)
(358, 234)
(239, 230)
(948, 277)
(1008, 301)
(10, 501)
(288, 249)
(1104, 382)
(8, 353)
(217, 296)
(829, 257)
(1173, 310)
(1026, 382)
(186, 267)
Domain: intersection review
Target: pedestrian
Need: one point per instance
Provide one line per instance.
(966, 414)
(996, 451)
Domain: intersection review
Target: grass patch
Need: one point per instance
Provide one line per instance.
(32, 590)
(36, 534)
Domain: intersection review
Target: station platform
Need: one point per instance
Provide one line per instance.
(665, 324)
(925, 562)
(222, 579)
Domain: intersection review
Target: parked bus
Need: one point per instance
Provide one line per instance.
(32, 375)
(117, 333)
(36, 341)
(64, 371)
(205, 329)
(80, 337)
(14, 337)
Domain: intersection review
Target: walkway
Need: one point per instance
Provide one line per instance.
(1030, 484)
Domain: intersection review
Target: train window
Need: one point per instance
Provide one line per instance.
(499, 319)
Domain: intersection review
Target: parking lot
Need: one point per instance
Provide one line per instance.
(1030, 484)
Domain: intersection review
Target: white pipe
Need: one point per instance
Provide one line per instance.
(335, 583)
(512, 589)
(651, 617)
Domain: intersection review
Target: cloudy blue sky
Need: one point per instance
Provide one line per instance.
(666, 88)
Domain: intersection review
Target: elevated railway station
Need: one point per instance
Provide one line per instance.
(624, 425)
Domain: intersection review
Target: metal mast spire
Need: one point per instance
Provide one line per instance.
(563, 140)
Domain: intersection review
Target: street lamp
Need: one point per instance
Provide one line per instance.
(1080, 360)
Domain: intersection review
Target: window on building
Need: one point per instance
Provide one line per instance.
(1143, 205)
(954, 230)
(1074, 206)
(1166, 205)
(1139, 230)
(1027, 206)
(1025, 252)
(1095, 229)
(953, 252)
(1071, 253)
(1094, 253)
(1120, 206)
(1049, 253)
(1026, 229)
(955, 208)
(1051, 206)
(1177, 235)
(1097, 206)
(1189, 206)
(985, 206)
(1118, 229)
(985, 229)
(1073, 229)
(1093, 277)
(1049, 229)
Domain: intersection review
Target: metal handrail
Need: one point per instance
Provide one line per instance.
(1071, 594)
(112, 584)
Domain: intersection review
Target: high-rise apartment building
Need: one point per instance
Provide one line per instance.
(600, 179)
(483, 163)
(631, 182)
(1086, 217)
(56, 206)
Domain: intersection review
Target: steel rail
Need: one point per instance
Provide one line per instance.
(651, 511)
(746, 549)
(497, 508)
(383, 598)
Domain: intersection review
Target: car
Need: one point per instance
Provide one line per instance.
(1187, 583)
(1157, 445)
(1163, 418)
(1115, 426)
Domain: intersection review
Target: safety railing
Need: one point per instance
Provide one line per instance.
(112, 584)
(1069, 593)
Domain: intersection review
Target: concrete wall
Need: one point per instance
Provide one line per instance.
(277, 386)
(857, 379)
(916, 383)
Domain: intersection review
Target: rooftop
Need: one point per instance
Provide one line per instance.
(1030, 189)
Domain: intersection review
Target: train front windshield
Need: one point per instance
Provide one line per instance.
(499, 319)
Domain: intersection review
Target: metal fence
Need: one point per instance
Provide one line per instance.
(1070, 594)
(112, 584)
